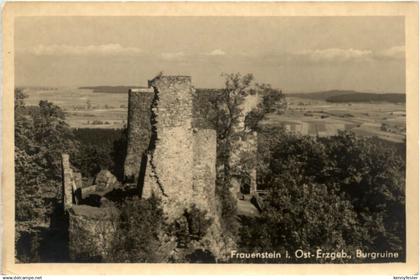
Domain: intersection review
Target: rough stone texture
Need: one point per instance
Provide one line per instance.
(169, 170)
(247, 209)
(72, 182)
(77, 184)
(180, 164)
(78, 181)
(91, 232)
(139, 129)
(67, 182)
(204, 115)
(86, 191)
(204, 191)
(171, 153)
(105, 180)
(204, 171)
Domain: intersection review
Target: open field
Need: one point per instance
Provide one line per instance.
(86, 108)
(321, 118)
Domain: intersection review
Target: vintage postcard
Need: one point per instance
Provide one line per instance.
(210, 138)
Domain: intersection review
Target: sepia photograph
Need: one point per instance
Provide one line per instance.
(210, 139)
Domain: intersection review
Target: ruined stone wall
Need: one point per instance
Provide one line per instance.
(245, 147)
(67, 182)
(91, 232)
(170, 163)
(204, 192)
(139, 129)
(171, 149)
(71, 182)
(204, 172)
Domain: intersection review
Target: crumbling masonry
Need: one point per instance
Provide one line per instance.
(173, 159)
(171, 153)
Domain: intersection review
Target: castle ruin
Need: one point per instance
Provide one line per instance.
(171, 154)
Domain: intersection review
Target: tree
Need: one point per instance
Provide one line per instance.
(41, 136)
(303, 217)
(228, 103)
(273, 101)
(140, 226)
(372, 175)
(191, 226)
(237, 87)
(233, 130)
(311, 180)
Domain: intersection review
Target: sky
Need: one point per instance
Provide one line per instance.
(294, 54)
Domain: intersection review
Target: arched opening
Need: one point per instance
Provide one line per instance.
(246, 185)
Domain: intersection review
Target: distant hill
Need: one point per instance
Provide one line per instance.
(351, 96)
(321, 95)
(124, 89)
(110, 89)
(368, 97)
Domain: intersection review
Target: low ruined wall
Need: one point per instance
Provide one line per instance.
(67, 182)
(138, 128)
(91, 232)
(71, 182)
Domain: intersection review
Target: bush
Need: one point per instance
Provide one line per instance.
(93, 158)
(101, 148)
(41, 136)
(228, 209)
(191, 226)
(200, 256)
(97, 122)
(341, 192)
(303, 217)
(137, 238)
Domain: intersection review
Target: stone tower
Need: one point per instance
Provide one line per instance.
(169, 170)
(139, 129)
(172, 151)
